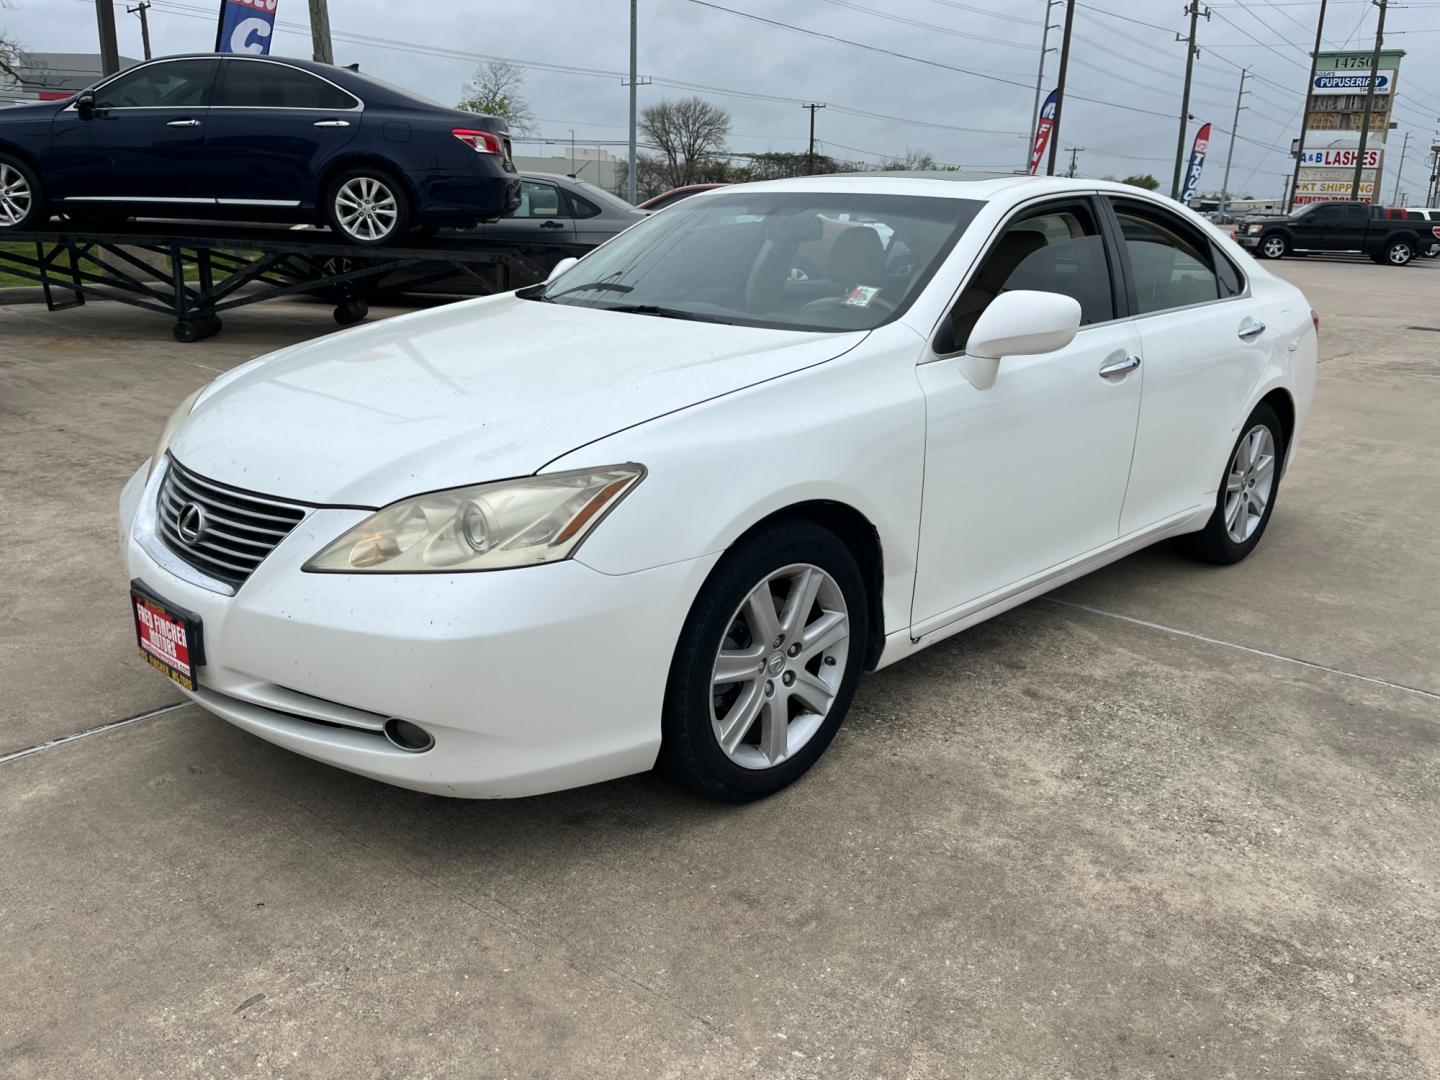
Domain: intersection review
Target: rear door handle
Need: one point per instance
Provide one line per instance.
(552, 224)
(1251, 331)
(183, 123)
(1119, 367)
(332, 123)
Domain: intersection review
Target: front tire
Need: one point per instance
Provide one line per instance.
(1274, 246)
(22, 201)
(766, 665)
(1246, 499)
(367, 206)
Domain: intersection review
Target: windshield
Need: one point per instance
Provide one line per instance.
(825, 261)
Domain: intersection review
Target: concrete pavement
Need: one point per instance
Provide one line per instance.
(1062, 844)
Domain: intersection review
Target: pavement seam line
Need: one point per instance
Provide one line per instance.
(111, 725)
(1431, 695)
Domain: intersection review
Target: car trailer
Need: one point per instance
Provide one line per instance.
(195, 273)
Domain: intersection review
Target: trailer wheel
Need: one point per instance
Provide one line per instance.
(351, 312)
(187, 331)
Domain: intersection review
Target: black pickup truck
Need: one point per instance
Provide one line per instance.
(1390, 236)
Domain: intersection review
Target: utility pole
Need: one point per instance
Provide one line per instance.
(1433, 193)
(320, 32)
(109, 50)
(810, 154)
(1072, 151)
(1039, 80)
(630, 178)
(1193, 10)
(1400, 170)
(1060, 85)
(1305, 115)
(1230, 154)
(1369, 105)
(140, 9)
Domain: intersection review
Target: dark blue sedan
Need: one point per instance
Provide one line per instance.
(254, 139)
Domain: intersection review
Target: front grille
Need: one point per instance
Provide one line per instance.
(236, 529)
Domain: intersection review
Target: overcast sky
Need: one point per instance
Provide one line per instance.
(1124, 54)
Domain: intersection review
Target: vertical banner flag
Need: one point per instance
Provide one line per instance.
(1197, 162)
(245, 26)
(1042, 131)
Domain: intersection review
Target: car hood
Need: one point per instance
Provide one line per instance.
(474, 391)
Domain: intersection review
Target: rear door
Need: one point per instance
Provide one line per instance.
(145, 142)
(272, 129)
(543, 217)
(1349, 233)
(1205, 343)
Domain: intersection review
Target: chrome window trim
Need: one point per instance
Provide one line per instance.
(137, 67)
(930, 356)
(359, 105)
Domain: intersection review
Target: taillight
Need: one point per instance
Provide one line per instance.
(482, 142)
(1436, 231)
(1315, 319)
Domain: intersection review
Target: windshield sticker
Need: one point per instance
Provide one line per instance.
(861, 295)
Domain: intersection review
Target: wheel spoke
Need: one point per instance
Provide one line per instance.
(774, 731)
(760, 614)
(1264, 467)
(831, 628)
(1235, 482)
(803, 590)
(739, 665)
(1232, 511)
(811, 692)
(741, 717)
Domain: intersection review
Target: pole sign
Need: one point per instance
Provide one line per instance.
(1042, 131)
(1197, 162)
(1340, 157)
(1351, 82)
(246, 26)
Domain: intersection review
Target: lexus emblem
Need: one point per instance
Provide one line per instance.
(191, 524)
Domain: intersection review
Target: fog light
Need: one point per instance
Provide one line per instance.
(408, 736)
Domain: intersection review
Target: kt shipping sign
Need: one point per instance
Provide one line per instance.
(246, 26)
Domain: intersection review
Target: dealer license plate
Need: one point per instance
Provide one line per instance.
(169, 637)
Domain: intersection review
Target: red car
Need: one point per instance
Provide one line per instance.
(674, 195)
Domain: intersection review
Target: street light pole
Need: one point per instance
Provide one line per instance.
(630, 178)
(1230, 154)
(1400, 170)
(1369, 106)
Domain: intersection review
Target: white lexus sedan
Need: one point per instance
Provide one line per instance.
(666, 507)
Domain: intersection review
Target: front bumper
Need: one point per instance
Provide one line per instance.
(529, 680)
(1247, 241)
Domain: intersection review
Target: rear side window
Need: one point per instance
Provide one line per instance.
(177, 84)
(1232, 282)
(1171, 264)
(258, 84)
(1059, 250)
(580, 208)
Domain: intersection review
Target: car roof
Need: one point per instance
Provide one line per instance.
(953, 185)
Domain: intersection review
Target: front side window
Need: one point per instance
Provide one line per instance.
(803, 260)
(1059, 250)
(1169, 262)
(538, 200)
(261, 85)
(176, 84)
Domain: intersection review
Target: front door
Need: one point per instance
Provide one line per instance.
(272, 129)
(1316, 229)
(1031, 472)
(145, 142)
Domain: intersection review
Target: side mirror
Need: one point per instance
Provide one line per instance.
(560, 268)
(85, 106)
(1019, 323)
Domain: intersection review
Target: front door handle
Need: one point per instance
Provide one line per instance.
(183, 123)
(552, 224)
(1251, 331)
(1119, 367)
(332, 123)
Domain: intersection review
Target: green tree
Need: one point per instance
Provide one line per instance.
(1145, 180)
(494, 90)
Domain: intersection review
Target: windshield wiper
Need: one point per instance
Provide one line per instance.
(663, 312)
(602, 286)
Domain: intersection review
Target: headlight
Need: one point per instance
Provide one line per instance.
(487, 527)
(172, 425)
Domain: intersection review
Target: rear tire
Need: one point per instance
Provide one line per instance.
(22, 200)
(367, 206)
(745, 732)
(1399, 253)
(1246, 499)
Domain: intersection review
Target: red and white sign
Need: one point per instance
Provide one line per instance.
(1306, 200)
(1340, 158)
(163, 637)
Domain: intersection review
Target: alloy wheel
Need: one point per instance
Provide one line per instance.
(1399, 254)
(779, 666)
(1250, 483)
(16, 198)
(1274, 247)
(366, 208)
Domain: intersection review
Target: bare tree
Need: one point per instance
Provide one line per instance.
(689, 134)
(494, 90)
(9, 54)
